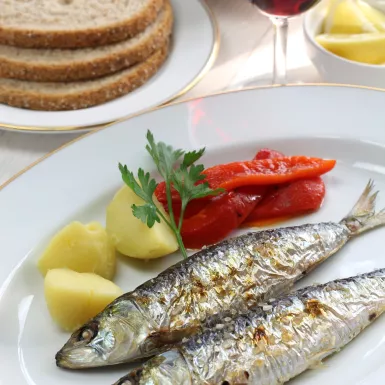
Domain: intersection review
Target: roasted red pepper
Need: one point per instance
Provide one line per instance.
(266, 171)
(267, 153)
(210, 220)
(193, 207)
(258, 172)
(297, 198)
(220, 216)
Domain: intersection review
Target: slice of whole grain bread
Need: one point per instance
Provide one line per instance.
(83, 94)
(73, 23)
(65, 65)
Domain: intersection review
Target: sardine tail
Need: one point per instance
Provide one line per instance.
(363, 216)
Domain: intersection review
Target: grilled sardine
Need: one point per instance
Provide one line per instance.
(272, 345)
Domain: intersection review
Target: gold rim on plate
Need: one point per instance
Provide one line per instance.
(44, 157)
(210, 61)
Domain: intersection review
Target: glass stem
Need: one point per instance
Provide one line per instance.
(281, 28)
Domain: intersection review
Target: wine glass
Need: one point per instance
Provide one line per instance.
(279, 12)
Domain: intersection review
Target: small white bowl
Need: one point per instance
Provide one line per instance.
(332, 68)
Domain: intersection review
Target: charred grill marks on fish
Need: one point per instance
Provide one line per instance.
(271, 347)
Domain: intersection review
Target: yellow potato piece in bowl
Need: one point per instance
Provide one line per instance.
(83, 248)
(74, 298)
(130, 235)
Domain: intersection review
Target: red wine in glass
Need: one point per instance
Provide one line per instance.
(279, 11)
(284, 7)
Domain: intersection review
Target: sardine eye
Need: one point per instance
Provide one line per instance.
(86, 334)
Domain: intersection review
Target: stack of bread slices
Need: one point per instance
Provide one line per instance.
(72, 54)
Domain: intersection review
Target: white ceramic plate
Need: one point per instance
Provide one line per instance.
(195, 30)
(78, 181)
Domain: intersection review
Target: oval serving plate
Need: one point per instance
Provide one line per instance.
(77, 182)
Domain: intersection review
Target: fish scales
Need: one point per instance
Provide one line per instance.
(236, 272)
(298, 332)
(271, 347)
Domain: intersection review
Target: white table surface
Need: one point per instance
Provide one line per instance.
(245, 58)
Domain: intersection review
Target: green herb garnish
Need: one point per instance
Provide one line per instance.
(178, 169)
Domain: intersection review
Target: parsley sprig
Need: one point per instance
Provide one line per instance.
(178, 169)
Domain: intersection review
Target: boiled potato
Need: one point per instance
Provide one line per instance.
(131, 236)
(74, 298)
(83, 248)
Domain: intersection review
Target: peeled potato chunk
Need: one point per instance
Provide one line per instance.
(131, 236)
(74, 298)
(83, 248)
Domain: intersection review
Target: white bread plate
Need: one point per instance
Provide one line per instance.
(194, 47)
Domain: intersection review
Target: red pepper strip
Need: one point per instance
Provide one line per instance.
(221, 215)
(267, 153)
(296, 198)
(193, 207)
(258, 172)
(266, 172)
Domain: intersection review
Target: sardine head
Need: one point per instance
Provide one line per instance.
(115, 336)
(168, 368)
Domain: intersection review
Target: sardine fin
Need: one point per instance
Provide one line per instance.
(363, 216)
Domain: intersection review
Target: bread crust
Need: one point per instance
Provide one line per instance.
(91, 37)
(66, 71)
(126, 81)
